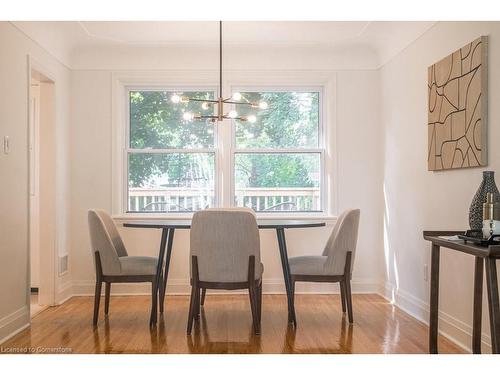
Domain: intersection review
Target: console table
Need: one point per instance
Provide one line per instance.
(485, 257)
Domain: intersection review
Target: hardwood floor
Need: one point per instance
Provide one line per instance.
(225, 326)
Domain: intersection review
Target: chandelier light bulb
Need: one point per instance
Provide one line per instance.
(188, 116)
(175, 98)
(263, 105)
(251, 119)
(205, 106)
(237, 96)
(233, 114)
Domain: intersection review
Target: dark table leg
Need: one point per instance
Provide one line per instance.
(434, 301)
(494, 308)
(170, 243)
(161, 255)
(280, 232)
(478, 306)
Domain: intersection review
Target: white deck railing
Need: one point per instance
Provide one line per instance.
(192, 199)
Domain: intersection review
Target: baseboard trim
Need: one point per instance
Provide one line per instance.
(64, 293)
(450, 327)
(182, 287)
(14, 323)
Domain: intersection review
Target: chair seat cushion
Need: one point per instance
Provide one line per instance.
(308, 265)
(138, 265)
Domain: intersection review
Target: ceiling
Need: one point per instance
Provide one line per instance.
(386, 38)
(325, 33)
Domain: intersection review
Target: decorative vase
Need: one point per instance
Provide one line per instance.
(476, 207)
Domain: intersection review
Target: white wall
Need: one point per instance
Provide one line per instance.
(417, 200)
(206, 57)
(14, 270)
(355, 124)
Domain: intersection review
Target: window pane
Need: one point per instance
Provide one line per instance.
(177, 182)
(156, 122)
(291, 120)
(278, 182)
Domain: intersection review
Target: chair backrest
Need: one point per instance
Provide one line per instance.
(343, 239)
(223, 240)
(106, 241)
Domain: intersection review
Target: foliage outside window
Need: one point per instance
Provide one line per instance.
(277, 161)
(171, 162)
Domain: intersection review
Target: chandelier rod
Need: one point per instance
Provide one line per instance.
(220, 101)
(220, 59)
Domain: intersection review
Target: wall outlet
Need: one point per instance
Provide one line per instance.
(426, 272)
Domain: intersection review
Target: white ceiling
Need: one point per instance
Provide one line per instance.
(386, 38)
(325, 33)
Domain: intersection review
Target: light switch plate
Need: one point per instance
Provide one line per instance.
(6, 144)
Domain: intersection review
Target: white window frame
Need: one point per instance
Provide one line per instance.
(293, 150)
(128, 150)
(224, 132)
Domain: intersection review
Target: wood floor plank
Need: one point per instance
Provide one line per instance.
(225, 326)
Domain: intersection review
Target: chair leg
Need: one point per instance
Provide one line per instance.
(292, 289)
(342, 295)
(203, 293)
(97, 299)
(154, 302)
(198, 307)
(162, 293)
(106, 298)
(259, 300)
(192, 307)
(252, 293)
(348, 299)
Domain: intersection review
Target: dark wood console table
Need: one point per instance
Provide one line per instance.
(485, 257)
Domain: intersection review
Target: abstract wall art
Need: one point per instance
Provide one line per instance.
(457, 109)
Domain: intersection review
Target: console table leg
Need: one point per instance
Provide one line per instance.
(478, 306)
(434, 301)
(493, 305)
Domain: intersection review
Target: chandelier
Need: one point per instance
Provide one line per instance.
(235, 99)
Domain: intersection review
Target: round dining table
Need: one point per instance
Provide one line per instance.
(168, 228)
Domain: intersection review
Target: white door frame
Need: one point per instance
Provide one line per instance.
(48, 259)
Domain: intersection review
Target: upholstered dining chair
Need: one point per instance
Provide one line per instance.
(336, 262)
(112, 262)
(225, 254)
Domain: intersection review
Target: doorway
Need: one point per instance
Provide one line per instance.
(41, 190)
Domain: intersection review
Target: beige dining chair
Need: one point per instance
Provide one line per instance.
(225, 254)
(336, 262)
(112, 262)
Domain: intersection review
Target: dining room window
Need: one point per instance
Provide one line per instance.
(170, 162)
(274, 165)
(278, 160)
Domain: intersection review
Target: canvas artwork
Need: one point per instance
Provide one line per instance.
(457, 113)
